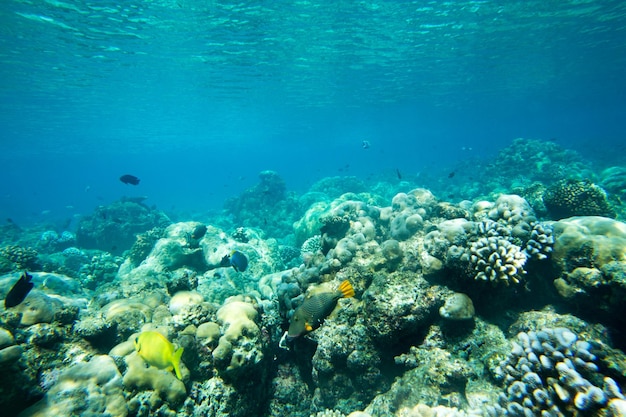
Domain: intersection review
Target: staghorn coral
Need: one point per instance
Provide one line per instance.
(552, 372)
(572, 197)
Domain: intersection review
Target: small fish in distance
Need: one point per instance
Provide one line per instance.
(129, 179)
(19, 291)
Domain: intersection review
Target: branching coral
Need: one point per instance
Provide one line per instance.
(497, 260)
(552, 373)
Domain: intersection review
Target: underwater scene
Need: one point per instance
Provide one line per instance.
(312, 208)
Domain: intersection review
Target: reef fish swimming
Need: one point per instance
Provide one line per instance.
(157, 351)
(129, 179)
(19, 291)
(315, 308)
(237, 259)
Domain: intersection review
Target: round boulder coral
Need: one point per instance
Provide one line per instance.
(458, 306)
(569, 198)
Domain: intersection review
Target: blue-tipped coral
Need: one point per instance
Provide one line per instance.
(552, 372)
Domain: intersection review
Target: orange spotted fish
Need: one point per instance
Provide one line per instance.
(315, 308)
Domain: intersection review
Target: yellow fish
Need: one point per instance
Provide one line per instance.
(157, 351)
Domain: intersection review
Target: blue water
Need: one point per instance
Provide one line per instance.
(196, 97)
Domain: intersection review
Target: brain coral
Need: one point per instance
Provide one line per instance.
(570, 197)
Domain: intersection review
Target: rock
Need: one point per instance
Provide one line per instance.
(457, 306)
(10, 354)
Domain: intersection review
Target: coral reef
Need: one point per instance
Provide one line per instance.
(553, 371)
(458, 306)
(438, 287)
(538, 161)
(541, 241)
(113, 228)
(87, 388)
(143, 244)
(51, 241)
(497, 260)
(496, 245)
(17, 257)
(572, 197)
(266, 206)
(590, 255)
(239, 349)
(140, 377)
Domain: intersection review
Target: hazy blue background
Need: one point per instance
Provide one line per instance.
(197, 97)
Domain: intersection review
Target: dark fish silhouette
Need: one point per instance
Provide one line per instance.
(198, 232)
(129, 179)
(452, 174)
(19, 291)
(236, 259)
(398, 174)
